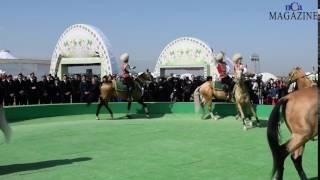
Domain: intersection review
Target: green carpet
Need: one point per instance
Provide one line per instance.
(168, 147)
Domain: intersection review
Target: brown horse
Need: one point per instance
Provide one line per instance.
(5, 128)
(298, 75)
(108, 90)
(242, 98)
(300, 111)
(204, 94)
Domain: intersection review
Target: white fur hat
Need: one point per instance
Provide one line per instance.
(236, 56)
(219, 56)
(124, 57)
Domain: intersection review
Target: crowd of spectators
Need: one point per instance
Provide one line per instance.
(23, 90)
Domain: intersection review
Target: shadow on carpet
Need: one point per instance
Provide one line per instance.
(13, 168)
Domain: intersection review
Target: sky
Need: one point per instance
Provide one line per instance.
(30, 29)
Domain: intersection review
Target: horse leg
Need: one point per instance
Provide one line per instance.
(129, 107)
(98, 110)
(279, 161)
(210, 110)
(4, 125)
(242, 116)
(298, 162)
(296, 142)
(255, 115)
(109, 109)
(146, 110)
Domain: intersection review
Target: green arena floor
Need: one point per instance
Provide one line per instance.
(166, 146)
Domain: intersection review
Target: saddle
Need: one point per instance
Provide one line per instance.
(122, 87)
(218, 85)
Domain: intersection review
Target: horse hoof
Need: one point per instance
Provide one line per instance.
(147, 116)
(111, 117)
(128, 116)
(245, 128)
(97, 118)
(258, 124)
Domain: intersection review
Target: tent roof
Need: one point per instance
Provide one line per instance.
(5, 54)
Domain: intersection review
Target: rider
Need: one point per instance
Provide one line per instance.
(237, 60)
(126, 71)
(223, 74)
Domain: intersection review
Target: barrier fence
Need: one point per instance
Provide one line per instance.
(21, 113)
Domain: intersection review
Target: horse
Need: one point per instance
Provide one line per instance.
(204, 94)
(300, 111)
(298, 75)
(108, 90)
(242, 97)
(4, 126)
(207, 91)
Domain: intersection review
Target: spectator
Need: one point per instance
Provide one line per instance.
(56, 92)
(84, 89)
(9, 91)
(65, 89)
(94, 90)
(32, 85)
(43, 90)
(20, 91)
(75, 86)
(274, 93)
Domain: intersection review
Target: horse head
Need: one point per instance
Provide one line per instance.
(295, 74)
(144, 77)
(239, 76)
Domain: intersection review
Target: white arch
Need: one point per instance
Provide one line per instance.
(84, 41)
(185, 51)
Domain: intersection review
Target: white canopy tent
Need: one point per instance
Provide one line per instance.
(5, 54)
(267, 76)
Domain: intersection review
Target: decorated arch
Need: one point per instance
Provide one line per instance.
(83, 44)
(186, 53)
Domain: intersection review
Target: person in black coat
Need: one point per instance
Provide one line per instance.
(94, 90)
(9, 91)
(43, 90)
(20, 91)
(162, 90)
(187, 87)
(84, 89)
(75, 86)
(51, 88)
(65, 89)
(2, 90)
(33, 92)
(56, 91)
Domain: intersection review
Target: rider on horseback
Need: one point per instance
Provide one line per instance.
(127, 71)
(237, 59)
(223, 75)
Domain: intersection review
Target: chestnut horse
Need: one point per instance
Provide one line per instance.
(206, 92)
(298, 75)
(300, 111)
(108, 90)
(242, 98)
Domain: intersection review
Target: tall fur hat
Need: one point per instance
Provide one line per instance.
(124, 57)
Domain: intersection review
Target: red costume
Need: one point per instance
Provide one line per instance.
(222, 70)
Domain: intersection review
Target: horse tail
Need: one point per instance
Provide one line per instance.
(273, 132)
(197, 99)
